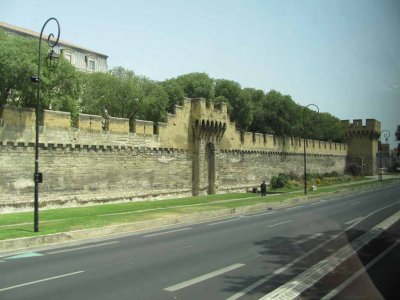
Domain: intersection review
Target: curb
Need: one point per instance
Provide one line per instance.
(28, 242)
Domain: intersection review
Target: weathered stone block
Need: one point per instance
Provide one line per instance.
(118, 125)
(56, 119)
(90, 123)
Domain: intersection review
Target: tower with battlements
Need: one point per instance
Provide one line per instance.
(362, 143)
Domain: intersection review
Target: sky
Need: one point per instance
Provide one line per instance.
(342, 55)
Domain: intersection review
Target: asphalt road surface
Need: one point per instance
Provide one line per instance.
(339, 248)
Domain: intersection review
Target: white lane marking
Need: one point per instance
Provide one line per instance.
(262, 214)
(354, 220)
(220, 222)
(83, 247)
(280, 223)
(355, 203)
(166, 232)
(295, 261)
(25, 255)
(316, 202)
(190, 282)
(293, 288)
(276, 272)
(294, 207)
(342, 286)
(308, 238)
(39, 281)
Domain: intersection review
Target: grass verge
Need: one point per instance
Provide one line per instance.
(17, 225)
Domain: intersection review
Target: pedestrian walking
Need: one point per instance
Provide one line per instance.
(263, 187)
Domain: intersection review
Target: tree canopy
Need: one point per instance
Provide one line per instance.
(60, 87)
(121, 93)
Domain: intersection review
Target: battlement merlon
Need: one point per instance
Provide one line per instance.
(203, 109)
(371, 125)
(143, 127)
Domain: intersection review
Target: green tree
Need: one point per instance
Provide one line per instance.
(17, 63)
(282, 114)
(153, 106)
(239, 102)
(197, 85)
(228, 89)
(175, 93)
(242, 110)
(116, 93)
(60, 86)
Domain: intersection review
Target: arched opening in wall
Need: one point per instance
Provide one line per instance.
(210, 154)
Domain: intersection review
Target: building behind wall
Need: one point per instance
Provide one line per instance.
(81, 58)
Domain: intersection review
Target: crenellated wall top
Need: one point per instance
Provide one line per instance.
(196, 118)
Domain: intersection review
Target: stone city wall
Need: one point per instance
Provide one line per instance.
(103, 161)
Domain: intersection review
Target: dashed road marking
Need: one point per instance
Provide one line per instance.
(300, 258)
(166, 232)
(221, 222)
(354, 220)
(311, 237)
(82, 248)
(25, 255)
(190, 282)
(294, 287)
(39, 281)
(280, 223)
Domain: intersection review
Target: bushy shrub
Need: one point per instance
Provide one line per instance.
(293, 176)
(280, 181)
(353, 169)
(331, 174)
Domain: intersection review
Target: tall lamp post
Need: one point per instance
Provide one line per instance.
(51, 60)
(305, 157)
(386, 135)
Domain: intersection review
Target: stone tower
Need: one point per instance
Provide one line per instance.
(208, 125)
(362, 143)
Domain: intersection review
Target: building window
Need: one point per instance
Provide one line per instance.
(68, 56)
(91, 65)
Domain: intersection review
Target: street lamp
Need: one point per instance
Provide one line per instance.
(305, 159)
(51, 61)
(386, 135)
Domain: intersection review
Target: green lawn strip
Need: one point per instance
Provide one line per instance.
(98, 219)
(109, 209)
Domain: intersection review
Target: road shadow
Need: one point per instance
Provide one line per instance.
(305, 250)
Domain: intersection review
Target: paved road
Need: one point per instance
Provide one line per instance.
(305, 251)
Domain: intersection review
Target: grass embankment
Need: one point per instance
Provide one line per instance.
(17, 225)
